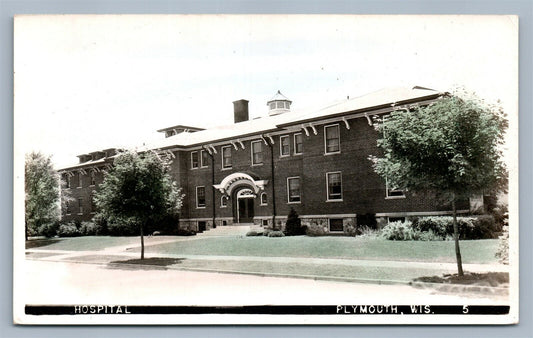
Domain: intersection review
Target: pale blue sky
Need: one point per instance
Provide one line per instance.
(84, 83)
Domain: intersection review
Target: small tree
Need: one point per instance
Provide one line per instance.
(42, 187)
(293, 226)
(451, 147)
(138, 188)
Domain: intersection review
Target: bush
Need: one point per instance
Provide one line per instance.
(48, 230)
(88, 229)
(479, 227)
(68, 230)
(267, 231)
(400, 231)
(315, 229)
(123, 227)
(293, 226)
(185, 232)
(277, 233)
(101, 223)
(503, 247)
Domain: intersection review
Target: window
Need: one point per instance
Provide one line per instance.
(226, 157)
(204, 159)
(93, 177)
(194, 160)
(393, 192)
(67, 181)
(79, 180)
(80, 206)
(284, 146)
(224, 201)
(272, 105)
(293, 190)
(264, 198)
(257, 153)
(332, 139)
(200, 197)
(67, 206)
(264, 222)
(335, 225)
(298, 143)
(334, 184)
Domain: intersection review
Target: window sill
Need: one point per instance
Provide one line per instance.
(394, 197)
(284, 156)
(263, 205)
(228, 168)
(299, 202)
(80, 213)
(200, 207)
(333, 153)
(79, 187)
(204, 166)
(336, 231)
(194, 168)
(298, 154)
(257, 165)
(339, 200)
(223, 206)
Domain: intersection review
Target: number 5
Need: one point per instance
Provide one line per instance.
(465, 308)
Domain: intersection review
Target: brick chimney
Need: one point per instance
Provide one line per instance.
(240, 110)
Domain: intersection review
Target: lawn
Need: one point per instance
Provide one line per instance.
(89, 243)
(478, 251)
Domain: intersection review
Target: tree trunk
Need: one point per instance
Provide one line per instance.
(142, 240)
(456, 239)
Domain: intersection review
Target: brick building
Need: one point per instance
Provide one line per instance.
(255, 171)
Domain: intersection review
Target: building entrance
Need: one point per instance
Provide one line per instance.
(245, 206)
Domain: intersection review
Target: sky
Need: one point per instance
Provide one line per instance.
(85, 83)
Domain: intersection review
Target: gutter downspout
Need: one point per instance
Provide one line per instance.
(271, 146)
(212, 184)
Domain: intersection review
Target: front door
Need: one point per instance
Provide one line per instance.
(246, 210)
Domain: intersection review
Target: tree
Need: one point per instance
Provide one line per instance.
(451, 147)
(293, 226)
(139, 189)
(42, 187)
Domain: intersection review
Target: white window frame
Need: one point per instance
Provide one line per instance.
(288, 190)
(80, 185)
(205, 202)
(252, 153)
(93, 179)
(222, 157)
(389, 190)
(281, 146)
(261, 199)
(192, 162)
(201, 159)
(327, 187)
(222, 198)
(67, 181)
(335, 231)
(294, 137)
(325, 139)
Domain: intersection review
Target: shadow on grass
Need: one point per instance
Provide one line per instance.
(492, 279)
(35, 243)
(154, 263)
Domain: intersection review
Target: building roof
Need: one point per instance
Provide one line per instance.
(381, 98)
(278, 97)
(181, 127)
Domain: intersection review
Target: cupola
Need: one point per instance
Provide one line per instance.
(278, 104)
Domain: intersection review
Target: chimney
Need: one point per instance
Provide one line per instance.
(240, 110)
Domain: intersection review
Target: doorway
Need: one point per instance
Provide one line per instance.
(246, 210)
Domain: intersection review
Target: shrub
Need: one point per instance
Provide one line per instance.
(185, 232)
(49, 229)
(267, 231)
(315, 229)
(101, 223)
(88, 229)
(68, 230)
(293, 226)
(479, 227)
(276, 233)
(122, 227)
(503, 248)
(400, 231)
(254, 233)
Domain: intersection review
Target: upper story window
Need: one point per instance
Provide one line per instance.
(298, 143)
(194, 160)
(334, 184)
(203, 158)
(200, 197)
(226, 157)
(67, 207)
(79, 180)
(332, 139)
(257, 153)
(264, 198)
(284, 146)
(93, 177)
(293, 190)
(67, 181)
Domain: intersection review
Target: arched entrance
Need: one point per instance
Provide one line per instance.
(244, 208)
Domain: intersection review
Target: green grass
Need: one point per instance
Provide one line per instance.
(478, 251)
(84, 243)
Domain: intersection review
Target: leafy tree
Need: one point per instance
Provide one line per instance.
(451, 147)
(139, 189)
(42, 187)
